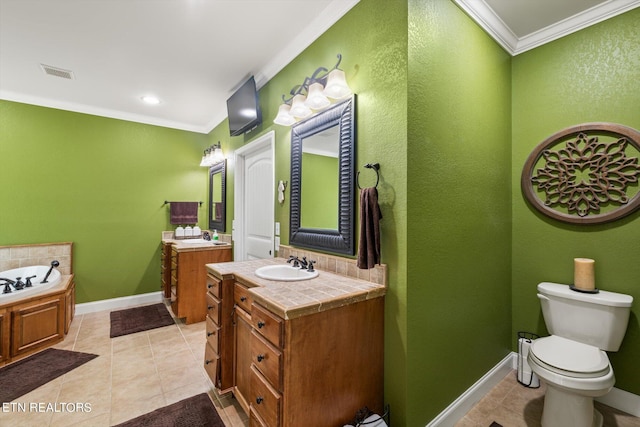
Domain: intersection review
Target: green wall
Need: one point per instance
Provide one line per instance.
(99, 183)
(459, 209)
(449, 116)
(592, 75)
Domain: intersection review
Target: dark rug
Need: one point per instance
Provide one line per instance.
(495, 424)
(196, 411)
(27, 374)
(138, 319)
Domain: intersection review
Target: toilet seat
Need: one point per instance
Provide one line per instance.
(570, 358)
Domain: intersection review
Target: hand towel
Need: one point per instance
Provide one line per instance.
(370, 216)
(184, 212)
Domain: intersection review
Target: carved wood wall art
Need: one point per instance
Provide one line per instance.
(585, 174)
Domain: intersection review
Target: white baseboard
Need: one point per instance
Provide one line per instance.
(467, 400)
(622, 401)
(119, 303)
(616, 398)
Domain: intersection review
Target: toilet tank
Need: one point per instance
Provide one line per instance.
(598, 319)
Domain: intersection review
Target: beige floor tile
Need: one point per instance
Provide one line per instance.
(133, 389)
(180, 377)
(123, 410)
(127, 342)
(182, 358)
(30, 417)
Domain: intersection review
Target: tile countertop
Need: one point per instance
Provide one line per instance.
(295, 299)
(182, 246)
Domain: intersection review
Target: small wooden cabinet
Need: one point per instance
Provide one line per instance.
(188, 273)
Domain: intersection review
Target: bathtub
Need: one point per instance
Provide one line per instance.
(39, 271)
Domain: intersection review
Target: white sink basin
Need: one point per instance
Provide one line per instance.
(285, 273)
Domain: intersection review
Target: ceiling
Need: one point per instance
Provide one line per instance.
(192, 54)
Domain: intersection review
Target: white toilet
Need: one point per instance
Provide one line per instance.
(571, 362)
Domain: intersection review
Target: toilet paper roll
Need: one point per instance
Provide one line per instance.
(525, 374)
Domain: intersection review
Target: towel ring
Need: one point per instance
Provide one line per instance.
(375, 167)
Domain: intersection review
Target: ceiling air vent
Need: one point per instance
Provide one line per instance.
(57, 72)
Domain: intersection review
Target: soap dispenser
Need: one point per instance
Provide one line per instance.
(179, 232)
(215, 235)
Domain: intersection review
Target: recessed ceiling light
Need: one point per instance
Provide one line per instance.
(150, 99)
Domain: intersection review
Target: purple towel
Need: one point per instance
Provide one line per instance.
(184, 212)
(370, 216)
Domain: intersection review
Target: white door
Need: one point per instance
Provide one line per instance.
(254, 196)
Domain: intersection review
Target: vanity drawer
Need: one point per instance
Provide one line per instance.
(214, 286)
(268, 325)
(213, 335)
(267, 359)
(242, 297)
(212, 365)
(264, 399)
(213, 308)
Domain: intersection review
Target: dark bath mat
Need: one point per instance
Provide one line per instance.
(27, 374)
(138, 319)
(196, 411)
(495, 424)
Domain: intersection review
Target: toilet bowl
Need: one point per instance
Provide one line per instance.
(572, 361)
(574, 374)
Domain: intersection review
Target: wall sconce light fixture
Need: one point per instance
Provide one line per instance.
(212, 155)
(314, 94)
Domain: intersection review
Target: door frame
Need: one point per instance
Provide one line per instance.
(239, 156)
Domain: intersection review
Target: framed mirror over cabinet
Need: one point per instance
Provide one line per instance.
(322, 189)
(217, 196)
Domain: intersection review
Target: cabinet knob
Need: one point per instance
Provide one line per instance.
(206, 362)
(210, 333)
(209, 307)
(209, 285)
(259, 400)
(261, 324)
(243, 299)
(260, 357)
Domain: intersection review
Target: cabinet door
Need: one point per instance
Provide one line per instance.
(242, 357)
(37, 324)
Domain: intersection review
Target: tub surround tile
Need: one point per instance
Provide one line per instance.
(16, 256)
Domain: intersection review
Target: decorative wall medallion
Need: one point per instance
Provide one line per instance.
(585, 174)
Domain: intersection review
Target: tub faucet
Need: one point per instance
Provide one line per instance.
(28, 279)
(7, 285)
(53, 264)
(19, 285)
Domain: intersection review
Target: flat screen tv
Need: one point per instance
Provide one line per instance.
(243, 108)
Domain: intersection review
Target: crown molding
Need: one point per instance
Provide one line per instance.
(96, 111)
(480, 12)
(318, 26)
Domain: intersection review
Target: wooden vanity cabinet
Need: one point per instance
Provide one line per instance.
(35, 323)
(316, 370)
(188, 272)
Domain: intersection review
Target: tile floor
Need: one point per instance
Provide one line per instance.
(513, 405)
(134, 374)
(141, 372)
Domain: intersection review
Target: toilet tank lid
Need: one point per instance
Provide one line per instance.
(612, 299)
